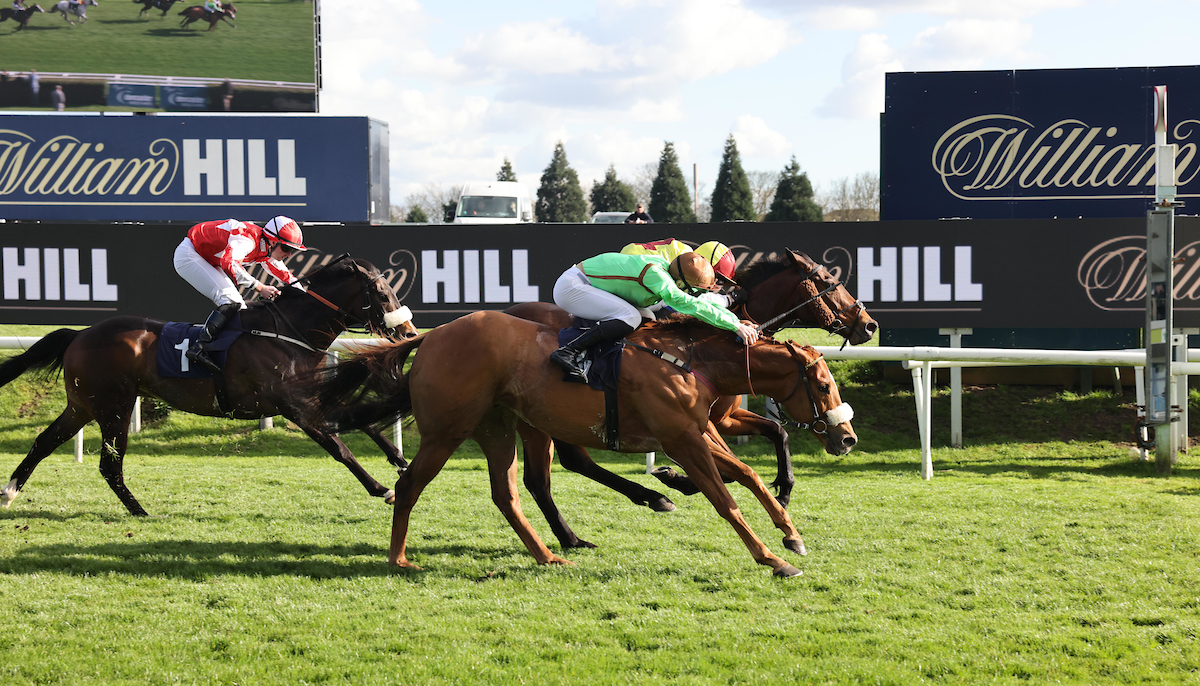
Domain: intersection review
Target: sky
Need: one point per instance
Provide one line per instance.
(464, 84)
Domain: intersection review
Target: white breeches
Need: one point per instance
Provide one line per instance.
(575, 294)
(209, 280)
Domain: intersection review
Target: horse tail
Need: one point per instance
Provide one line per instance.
(367, 388)
(46, 355)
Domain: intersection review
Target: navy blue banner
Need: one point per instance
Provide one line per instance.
(990, 273)
(1033, 144)
(186, 168)
(132, 95)
(184, 98)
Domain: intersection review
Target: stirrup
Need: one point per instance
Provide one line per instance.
(198, 355)
(571, 361)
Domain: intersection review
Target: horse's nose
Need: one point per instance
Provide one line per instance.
(871, 327)
(848, 443)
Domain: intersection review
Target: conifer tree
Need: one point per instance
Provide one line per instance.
(794, 198)
(560, 197)
(416, 216)
(612, 194)
(506, 172)
(670, 201)
(731, 198)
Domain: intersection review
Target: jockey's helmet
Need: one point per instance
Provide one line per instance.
(692, 273)
(284, 230)
(720, 257)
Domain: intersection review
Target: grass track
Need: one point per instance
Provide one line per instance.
(273, 41)
(1036, 554)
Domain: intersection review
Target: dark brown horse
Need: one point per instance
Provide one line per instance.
(789, 289)
(164, 5)
(197, 13)
(22, 17)
(483, 374)
(107, 366)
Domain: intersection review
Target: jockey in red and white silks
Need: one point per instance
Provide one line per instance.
(213, 257)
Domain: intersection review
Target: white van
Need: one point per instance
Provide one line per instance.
(494, 202)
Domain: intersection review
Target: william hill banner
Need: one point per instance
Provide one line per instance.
(94, 167)
(1033, 144)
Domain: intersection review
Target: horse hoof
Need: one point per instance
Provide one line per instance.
(661, 504)
(783, 500)
(389, 497)
(787, 571)
(795, 545)
(579, 543)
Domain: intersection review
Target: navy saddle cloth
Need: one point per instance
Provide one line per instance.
(175, 339)
(605, 357)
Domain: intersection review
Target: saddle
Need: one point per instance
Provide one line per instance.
(174, 340)
(603, 364)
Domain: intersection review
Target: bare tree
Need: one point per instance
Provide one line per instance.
(851, 199)
(762, 190)
(433, 200)
(642, 180)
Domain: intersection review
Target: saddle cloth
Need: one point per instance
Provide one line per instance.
(174, 340)
(603, 359)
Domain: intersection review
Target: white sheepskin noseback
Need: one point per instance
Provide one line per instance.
(840, 414)
(397, 317)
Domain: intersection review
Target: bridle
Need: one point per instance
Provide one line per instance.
(840, 315)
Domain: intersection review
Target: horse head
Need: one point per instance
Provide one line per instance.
(821, 410)
(385, 315)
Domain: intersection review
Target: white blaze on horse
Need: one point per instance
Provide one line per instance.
(79, 9)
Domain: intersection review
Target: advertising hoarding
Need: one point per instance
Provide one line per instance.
(191, 168)
(1033, 143)
(1084, 273)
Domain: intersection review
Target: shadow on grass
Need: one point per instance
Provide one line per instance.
(190, 560)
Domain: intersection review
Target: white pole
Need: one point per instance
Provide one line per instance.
(956, 430)
(135, 420)
(649, 462)
(79, 446)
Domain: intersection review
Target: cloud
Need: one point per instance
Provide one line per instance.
(968, 44)
(860, 94)
(755, 138)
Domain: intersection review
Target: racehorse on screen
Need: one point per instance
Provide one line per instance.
(107, 366)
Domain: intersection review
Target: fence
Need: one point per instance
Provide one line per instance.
(920, 360)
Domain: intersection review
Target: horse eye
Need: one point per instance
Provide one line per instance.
(824, 388)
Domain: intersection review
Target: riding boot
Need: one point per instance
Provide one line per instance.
(571, 356)
(212, 328)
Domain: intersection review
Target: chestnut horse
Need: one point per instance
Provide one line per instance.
(107, 366)
(483, 374)
(790, 289)
(197, 13)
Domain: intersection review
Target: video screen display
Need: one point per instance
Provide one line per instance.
(160, 56)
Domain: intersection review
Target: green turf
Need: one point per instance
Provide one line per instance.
(1040, 553)
(273, 41)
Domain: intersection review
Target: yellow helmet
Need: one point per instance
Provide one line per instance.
(720, 257)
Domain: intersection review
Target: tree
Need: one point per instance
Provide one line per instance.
(762, 188)
(416, 215)
(612, 194)
(852, 200)
(794, 198)
(731, 198)
(506, 172)
(560, 197)
(432, 201)
(670, 201)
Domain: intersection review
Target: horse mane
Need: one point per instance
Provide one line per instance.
(762, 269)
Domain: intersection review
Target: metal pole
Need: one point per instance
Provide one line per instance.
(956, 430)
(1161, 348)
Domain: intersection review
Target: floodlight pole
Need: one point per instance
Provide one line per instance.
(1162, 345)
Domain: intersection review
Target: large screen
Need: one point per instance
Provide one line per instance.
(162, 55)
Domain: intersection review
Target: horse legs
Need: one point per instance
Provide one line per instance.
(390, 451)
(498, 442)
(579, 461)
(729, 466)
(430, 459)
(335, 447)
(693, 453)
(538, 458)
(744, 423)
(60, 431)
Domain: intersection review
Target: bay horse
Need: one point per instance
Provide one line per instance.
(197, 13)
(107, 366)
(790, 289)
(482, 375)
(164, 5)
(22, 17)
(64, 8)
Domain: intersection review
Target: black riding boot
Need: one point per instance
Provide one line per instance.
(571, 356)
(212, 328)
